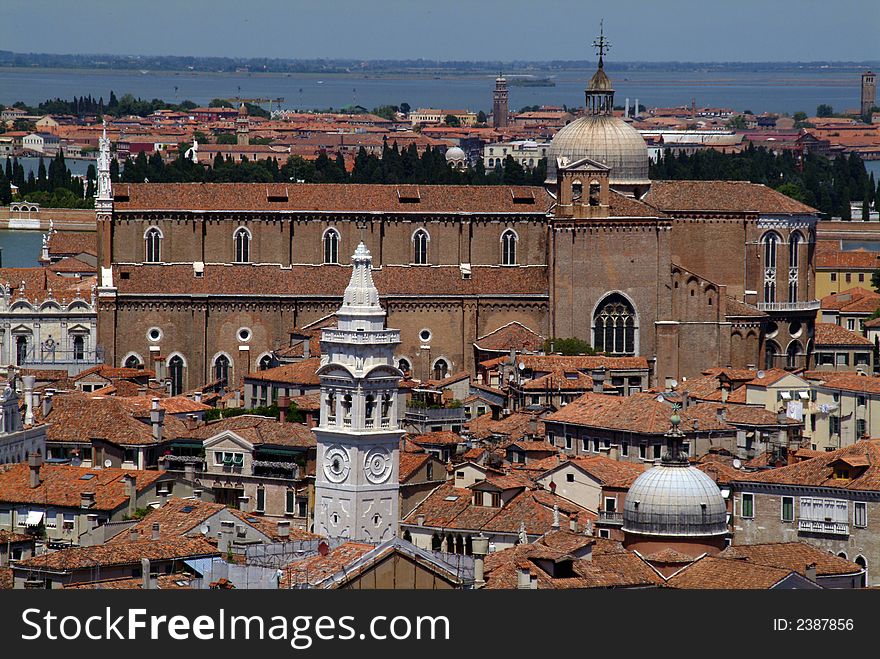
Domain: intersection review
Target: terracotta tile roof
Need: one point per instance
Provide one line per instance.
(513, 427)
(748, 415)
(73, 242)
(737, 309)
(847, 381)
(410, 463)
(641, 413)
(308, 402)
(560, 380)
(7, 537)
(547, 363)
(529, 446)
(79, 558)
(141, 405)
(6, 578)
(176, 517)
(62, 485)
(513, 335)
(181, 581)
(819, 472)
(315, 569)
(329, 280)
(831, 334)
(72, 264)
(721, 196)
(830, 256)
(533, 508)
(611, 473)
(303, 372)
(794, 556)
(851, 297)
(78, 417)
(325, 197)
(668, 555)
(268, 526)
(440, 437)
(258, 430)
(771, 376)
(38, 282)
(714, 572)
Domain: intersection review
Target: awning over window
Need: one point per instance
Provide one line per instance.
(34, 518)
(786, 395)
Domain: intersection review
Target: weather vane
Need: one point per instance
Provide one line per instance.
(601, 44)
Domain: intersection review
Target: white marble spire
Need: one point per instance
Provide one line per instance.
(105, 191)
(360, 308)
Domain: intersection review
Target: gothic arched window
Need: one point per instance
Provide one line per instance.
(792, 354)
(770, 242)
(331, 246)
(221, 369)
(132, 361)
(794, 244)
(420, 247)
(21, 347)
(441, 369)
(175, 374)
(153, 245)
(508, 248)
(771, 350)
(265, 362)
(242, 240)
(614, 326)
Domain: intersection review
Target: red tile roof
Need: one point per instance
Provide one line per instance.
(303, 372)
(512, 335)
(259, 430)
(831, 334)
(721, 196)
(714, 572)
(794, 556)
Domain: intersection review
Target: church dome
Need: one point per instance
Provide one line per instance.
(605, 139)
(454, 154)
(674, 500)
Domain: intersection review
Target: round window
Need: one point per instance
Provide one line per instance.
(244, 334)
(154, 334)
(772, 330)
(795, 329)
(425, 335)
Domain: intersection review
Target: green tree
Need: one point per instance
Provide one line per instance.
(451, 120)
(824, 110)
(227, 138)
(481, 117)
(570, 346)
(800, 119)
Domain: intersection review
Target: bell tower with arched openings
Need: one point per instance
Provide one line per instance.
(356, 486)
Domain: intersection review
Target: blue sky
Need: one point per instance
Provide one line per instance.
(684, 30)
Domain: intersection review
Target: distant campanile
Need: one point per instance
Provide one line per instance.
(499, 103)
(869, 91)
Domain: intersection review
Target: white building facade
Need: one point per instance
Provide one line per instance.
(356, 485)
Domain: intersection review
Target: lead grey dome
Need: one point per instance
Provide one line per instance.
(674, 500)
(606, 139)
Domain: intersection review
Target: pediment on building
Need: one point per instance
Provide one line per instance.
(582, 165)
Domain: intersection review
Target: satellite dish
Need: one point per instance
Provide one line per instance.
(108, 463)
(204, 529)
(673, 384)
(521, 366)
(737, 464)
(761, 375)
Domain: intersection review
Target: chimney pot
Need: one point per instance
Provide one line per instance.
(284, 529)
(133, 534)
(573, 523)
(810, 572)
(35, 461)
(154, 531)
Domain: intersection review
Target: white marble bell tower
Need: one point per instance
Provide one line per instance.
(356, 487)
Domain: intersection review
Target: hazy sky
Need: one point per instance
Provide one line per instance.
(685, 30)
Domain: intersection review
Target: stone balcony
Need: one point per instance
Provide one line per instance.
(823, 526)
(805, 305)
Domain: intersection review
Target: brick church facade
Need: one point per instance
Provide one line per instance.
(689, 274)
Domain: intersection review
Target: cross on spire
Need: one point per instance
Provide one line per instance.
(601, 44)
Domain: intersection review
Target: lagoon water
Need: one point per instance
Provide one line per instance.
(780, 91)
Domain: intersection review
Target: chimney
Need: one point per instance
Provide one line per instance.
(420, 520)
(598, 376)
(133, 534)
(573, 522)
(810, 572)
(35, 460)
(197, 495)
(189, 471)
(154, 531)
(283, 405)
(131, 490)
(513, 357)
(157, 419)
(284, 529)
(307, 347)
(614, 452)
(237, 398)
(197, 397)
(146, 578)
(523, 578)
(28, 382)
(226, 530)
(86, 500)
(479, 549)
(533, 425)
(47, 402)
(721, 414)
(725, 392)
(92, 520)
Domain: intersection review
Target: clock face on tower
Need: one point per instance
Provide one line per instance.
(336, 464)
(377, 465)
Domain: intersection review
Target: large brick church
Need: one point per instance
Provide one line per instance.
(689, 274)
